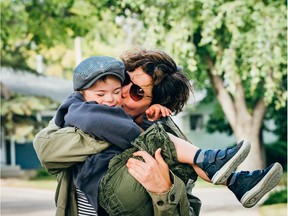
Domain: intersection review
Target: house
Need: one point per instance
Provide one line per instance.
(20, 155)
(16, 156)
(194, 117)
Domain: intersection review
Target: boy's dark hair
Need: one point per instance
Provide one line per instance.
(171, 88)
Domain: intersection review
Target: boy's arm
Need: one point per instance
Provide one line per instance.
(60, 148)
(112, 124)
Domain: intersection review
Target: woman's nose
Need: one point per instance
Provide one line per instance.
(125, 91)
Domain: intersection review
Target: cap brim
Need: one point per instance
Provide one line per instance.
(90, 83)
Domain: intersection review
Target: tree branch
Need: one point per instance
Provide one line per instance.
(258, 114)
(222, 95)
(240, 103)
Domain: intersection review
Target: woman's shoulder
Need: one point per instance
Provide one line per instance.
(171, 127)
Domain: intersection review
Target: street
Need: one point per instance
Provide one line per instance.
(219, 201)
(26, 202)
(34, 202)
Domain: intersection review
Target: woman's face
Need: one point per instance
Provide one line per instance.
(132, 107)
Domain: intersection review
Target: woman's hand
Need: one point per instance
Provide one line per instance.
(153, 174)
(156, 111)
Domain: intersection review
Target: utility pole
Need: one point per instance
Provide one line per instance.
(78, 50)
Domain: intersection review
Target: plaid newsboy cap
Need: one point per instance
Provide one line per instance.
(95, 67)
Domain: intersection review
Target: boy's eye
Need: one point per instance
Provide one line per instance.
(117, 92)
(100, 95)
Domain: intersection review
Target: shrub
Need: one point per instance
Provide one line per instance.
(43, 174)
(277, 197)
(277, 152)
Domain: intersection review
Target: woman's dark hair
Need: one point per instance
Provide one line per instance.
(171, 88)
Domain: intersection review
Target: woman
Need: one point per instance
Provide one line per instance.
(58, 153)
(154, 78)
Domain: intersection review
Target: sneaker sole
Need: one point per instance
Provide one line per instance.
(270, 180)
(222, 175)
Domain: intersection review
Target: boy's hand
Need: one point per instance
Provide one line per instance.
(156, 111)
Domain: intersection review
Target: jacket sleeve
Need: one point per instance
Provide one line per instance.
(112, 124)
(183, 197)
(60, 148)
(175, 201)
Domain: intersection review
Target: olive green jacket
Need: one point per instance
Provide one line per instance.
(58, 149)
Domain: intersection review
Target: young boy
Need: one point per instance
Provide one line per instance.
(95, 108)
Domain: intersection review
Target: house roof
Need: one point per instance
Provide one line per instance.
(56, 88)
(37, 85)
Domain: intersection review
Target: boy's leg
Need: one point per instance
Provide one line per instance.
(156, 137)
(218, 164)
(250, 187)
(120, 193)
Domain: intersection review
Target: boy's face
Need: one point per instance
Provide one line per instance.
(107, 92)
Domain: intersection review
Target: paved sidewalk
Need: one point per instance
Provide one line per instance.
(217, 201)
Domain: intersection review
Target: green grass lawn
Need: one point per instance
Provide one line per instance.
(41, 180)
(49, 184)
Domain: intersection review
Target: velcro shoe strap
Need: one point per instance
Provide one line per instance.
(222, 154)
(212, 156)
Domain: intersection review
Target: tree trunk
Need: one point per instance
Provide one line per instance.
(251, 130)
(244, 125)
(254, 160)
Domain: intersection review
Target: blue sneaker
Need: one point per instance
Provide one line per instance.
(250, 187)
(219, 164)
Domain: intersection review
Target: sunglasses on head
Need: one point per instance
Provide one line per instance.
(135, 92)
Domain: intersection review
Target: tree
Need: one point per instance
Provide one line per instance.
(236, 47)
(33, 27)
(239, 47)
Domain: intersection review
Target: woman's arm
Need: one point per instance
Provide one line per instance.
(167, 191)
(59, 148)
(174, 202)
(193, 202)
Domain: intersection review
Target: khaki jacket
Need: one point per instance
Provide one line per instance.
(58, 149)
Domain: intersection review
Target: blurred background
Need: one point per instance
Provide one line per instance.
(234, 52)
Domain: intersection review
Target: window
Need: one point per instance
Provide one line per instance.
(196, 122)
